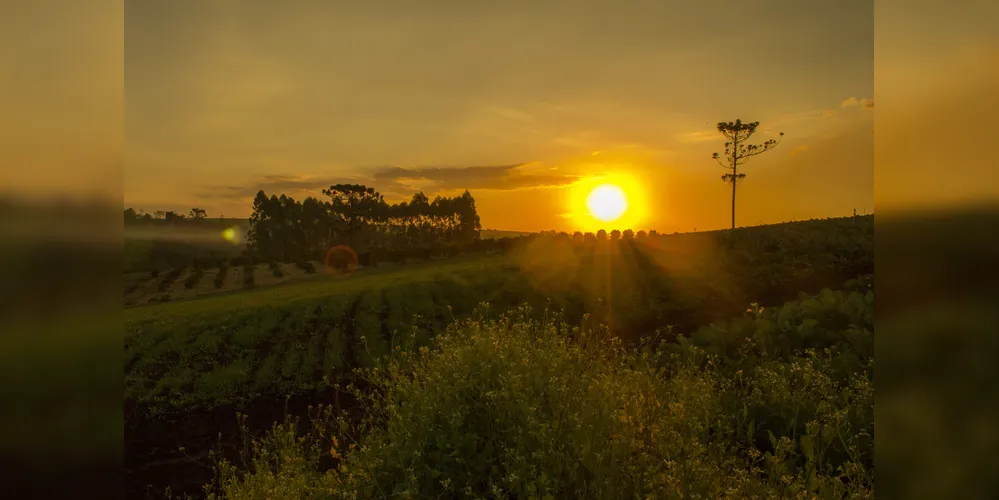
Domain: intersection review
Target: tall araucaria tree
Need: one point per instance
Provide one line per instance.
(738, 152)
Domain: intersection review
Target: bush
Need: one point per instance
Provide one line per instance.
(248, 278)
(306, 266)
(168, 280)
(365, 259)
(276, 269)
(194, 278)
(220, 277)
(514, 408)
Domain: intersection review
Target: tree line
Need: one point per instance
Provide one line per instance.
(284, 229)
(133, 216)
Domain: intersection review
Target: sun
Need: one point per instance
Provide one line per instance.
(607, 202)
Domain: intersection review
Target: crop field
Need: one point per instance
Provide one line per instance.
(158, 263)
(205, 357)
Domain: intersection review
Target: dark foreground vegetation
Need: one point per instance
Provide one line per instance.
(779, 404)
(714, 390)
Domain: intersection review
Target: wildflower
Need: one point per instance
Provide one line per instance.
(333, 452)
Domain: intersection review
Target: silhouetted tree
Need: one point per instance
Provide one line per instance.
(197, 214)
(738, 152)
(173, 217)
(358, 205)
(628, 234)
(284, 229)
(615, 235)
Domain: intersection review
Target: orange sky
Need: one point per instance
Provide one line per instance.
(509, 100)
(224, 97)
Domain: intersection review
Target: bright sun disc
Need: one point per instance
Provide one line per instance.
(607, 202)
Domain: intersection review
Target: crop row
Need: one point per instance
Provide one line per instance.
(226, 356)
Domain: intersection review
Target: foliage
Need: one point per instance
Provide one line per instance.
(169, 279)
(248, 275)
(221, 275)
(284, 229)
(738, 152)
(516, 407)
(306, 266)
(197, 357)
(666, 280)
(194, 277)
(276, 269)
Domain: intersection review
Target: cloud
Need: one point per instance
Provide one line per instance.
(700, 136)
(800, 149)
(499, 177)
(513, 114)
(394, 181)
(291, 185)
(866, 103)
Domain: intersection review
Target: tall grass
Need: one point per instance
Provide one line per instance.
(515, 407)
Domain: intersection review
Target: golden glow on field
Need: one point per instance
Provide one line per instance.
(607, 202)
(611, 201)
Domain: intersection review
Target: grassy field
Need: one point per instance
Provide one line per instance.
(208, 356)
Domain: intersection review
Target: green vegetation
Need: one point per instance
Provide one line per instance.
(634, 287)
(194, 277)
(778, 404)
(232, 351)
(276, 269)
(248, 275)
(221, 276)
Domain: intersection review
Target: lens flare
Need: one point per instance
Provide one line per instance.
(232, 235)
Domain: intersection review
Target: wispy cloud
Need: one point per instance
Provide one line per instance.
(394, 181)
(499, 177)
(800, 149)
(512, 114)
(699, 136)
(866, 103)
(295, 186)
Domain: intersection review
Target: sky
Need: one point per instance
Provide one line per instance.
(523, 103)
